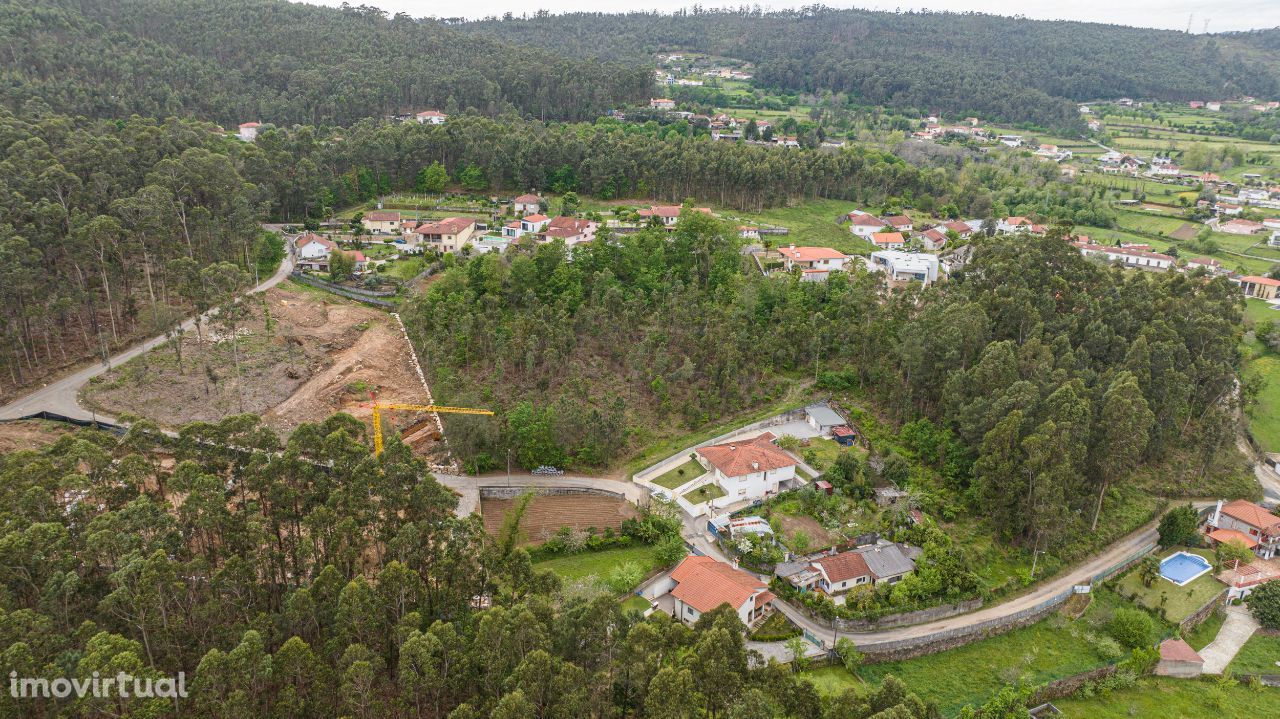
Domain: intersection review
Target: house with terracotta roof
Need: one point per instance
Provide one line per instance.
(669, 214)
(934, 239)
(573, 230)
(381, 222)
(1013, 224)
(836, 573)
(1247, 523)
(814, 263)
(448, 235)
(888, 240)
(702, 584)
(900, 223)
(527, 204)
(248, 131)
(662, 103)
(748, 469)
(864, 225)
(1208, 264)
(1227, 208)
(1264, 288)
(431, 117)
(313, 251)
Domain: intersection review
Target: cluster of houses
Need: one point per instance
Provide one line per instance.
(835, 574)
(934, 129)
(314, 251)
(423, 117)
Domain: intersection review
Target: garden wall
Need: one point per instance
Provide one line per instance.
(920, 616)
(1203, 612)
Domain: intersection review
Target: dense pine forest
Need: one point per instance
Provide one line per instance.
(1049, 378)
(1014, 70)
(284, 63)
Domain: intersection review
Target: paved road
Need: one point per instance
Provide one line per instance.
(468, 488)
(1235, 631)
(1081, 574)
(62, 395)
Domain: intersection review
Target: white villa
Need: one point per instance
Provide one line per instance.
(906, 266)
(748, 469)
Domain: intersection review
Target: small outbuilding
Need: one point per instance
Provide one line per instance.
(1178, 659)
(844, 435)
(822, 418)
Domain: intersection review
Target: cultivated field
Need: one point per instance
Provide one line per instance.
(545, 515)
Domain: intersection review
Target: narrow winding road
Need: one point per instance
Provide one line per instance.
(62, 395)
(1082, 574)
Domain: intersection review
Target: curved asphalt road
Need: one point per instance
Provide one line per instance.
(62, 395)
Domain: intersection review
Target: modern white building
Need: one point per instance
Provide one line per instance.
(248, 131)
(906, 266)
(1130, 257)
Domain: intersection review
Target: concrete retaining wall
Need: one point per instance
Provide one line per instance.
(505, 492)
(1203, 612)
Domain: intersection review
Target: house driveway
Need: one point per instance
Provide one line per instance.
(779, 651)
(1235, 631)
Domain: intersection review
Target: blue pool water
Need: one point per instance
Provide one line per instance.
(1183, 567)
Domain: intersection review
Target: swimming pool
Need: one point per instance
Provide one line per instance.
(1184, 567)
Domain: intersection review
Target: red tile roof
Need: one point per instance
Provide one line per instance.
(862, 219)
(1176, 650)
(958, 227)
(898, 220)
(1254, 279)
(382, 216)
(887, 238)
(535, 218)
(704, 584)
(525, 199)
(809, 254)
(735, 459)
(312, 237)
(844, 566)
(447, 226)
(1232, 535)
(250, 124)
(1246, 511)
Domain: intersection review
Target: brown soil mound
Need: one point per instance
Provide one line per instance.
(29, 434)
(547, 514)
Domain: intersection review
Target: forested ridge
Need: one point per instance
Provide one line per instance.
(106, 229)
(1009, 69)
(284, 63)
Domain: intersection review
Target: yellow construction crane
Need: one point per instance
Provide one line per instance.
(377, 416)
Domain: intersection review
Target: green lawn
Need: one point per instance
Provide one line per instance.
(826, 451)
(1206, 631)
(705, 493)
(833, 680)
(635, 603)
(813, 223)
(1050, 649)
(406, 268)
(1259, 655)
(1264, 415)
(599, 564)
(1174, 698)
(1178, 602)
(675, 477)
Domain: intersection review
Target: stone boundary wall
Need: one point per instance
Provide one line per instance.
(1198, 616)
(505, 492)
(344, 292)
(919, 616)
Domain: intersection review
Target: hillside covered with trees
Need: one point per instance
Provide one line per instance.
(283, 63)
(1009, 69)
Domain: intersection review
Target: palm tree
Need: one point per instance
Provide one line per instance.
(1149, 571)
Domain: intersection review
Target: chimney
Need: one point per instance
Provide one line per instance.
(755, 465)
(1217, 515)
(732, 447)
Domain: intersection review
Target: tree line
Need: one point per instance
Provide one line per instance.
(309, 579)
(1008, 69)
(284, 63)
(110, 229)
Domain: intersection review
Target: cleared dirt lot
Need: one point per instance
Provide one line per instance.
(30, 434)
(547, 514)
(321, 354)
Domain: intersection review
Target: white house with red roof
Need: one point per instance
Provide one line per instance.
(701, 584)
(669, 214)
(934, 239)
(573, 230)
(381, 222)
(248, 131)
(313, 251)
(864, 225)
(748, 469)
(1247, 523)
(1128, 256)
(1015, 224)
(431, 117)
(1207, 264)
(900, 223)
(662, 103)
(814, 263)
(888, 240)
(448, 235)
(527, 204)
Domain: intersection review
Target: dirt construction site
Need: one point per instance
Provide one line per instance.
(316, 355)
(546, 514)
